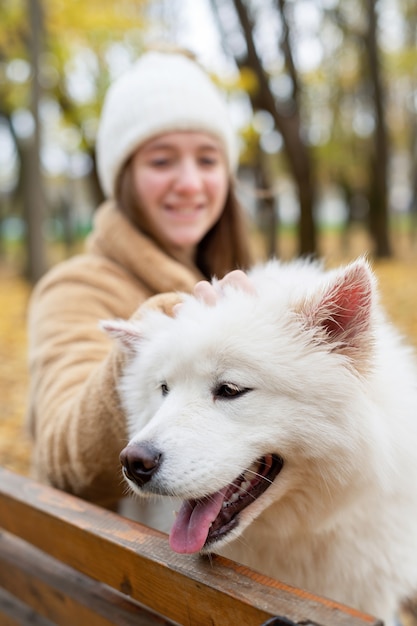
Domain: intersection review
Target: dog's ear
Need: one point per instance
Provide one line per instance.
(343, 311)
(125, 332)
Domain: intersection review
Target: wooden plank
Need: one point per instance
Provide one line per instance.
(138, 561)
(13, 612)
(62, 594)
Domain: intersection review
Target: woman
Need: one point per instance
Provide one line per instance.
(166, 155)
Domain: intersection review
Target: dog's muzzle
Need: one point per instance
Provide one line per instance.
(201, 522)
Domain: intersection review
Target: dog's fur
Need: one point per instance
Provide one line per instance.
(307, 369)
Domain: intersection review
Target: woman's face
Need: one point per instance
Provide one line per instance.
(181, 180)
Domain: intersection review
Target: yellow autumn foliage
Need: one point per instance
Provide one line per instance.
(14, 442)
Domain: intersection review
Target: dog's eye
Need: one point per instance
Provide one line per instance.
(164, 389)
(229, 390)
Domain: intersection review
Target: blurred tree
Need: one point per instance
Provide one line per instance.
(360, 24)
(88, 45)
(378, 187)
(50, 98)
(30, 150)
(405, 69)
(332, 117)
(285, 112)
(334, 101)
(337, 108)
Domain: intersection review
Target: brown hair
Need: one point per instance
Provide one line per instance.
(224, 248)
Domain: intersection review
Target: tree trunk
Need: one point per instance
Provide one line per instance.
(378, 193)
(33, 192)
(288, 124)
(267, 215)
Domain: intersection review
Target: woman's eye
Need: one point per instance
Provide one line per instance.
(229, 390)
(208, 161)
(160, 162)
(164, 389)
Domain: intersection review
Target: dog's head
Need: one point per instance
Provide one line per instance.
(256, 400)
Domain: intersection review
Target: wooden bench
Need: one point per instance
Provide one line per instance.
(67, 562)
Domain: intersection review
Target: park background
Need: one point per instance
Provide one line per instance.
(323, 94)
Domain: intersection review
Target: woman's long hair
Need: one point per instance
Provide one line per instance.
(224, 248)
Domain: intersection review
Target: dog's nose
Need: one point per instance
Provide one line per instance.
(140, 461)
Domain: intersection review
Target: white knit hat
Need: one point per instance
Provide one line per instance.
(160, 93)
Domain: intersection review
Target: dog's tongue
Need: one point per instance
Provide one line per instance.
(192, 524)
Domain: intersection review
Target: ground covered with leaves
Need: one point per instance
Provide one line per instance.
(14, 440)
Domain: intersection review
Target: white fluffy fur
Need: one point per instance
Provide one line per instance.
(340, 408)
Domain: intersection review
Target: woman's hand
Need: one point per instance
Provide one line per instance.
(210, 293)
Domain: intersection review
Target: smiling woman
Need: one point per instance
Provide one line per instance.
(166, 156)
(181, 182)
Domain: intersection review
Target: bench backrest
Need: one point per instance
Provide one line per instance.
(65, 561)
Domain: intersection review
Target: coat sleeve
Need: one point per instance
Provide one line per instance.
(74, 412)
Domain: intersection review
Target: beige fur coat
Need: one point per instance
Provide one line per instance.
(74, 413)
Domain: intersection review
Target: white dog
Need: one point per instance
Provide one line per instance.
(285, 417)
